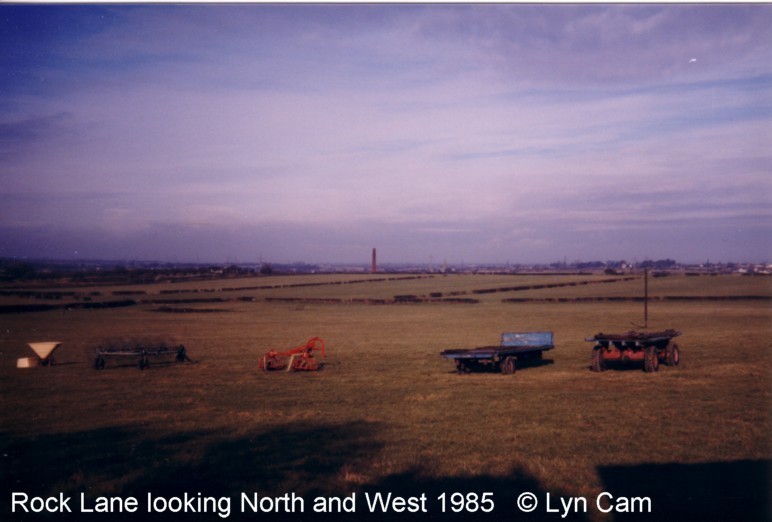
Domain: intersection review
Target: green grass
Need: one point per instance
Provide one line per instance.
(387, 412)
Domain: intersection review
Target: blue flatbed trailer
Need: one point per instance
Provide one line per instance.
(514, 346)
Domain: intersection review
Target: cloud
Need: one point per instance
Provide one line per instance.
(417, 122)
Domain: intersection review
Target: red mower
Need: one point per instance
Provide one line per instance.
(297, 359)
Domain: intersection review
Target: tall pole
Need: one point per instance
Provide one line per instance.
(646, 298)
(374, 265)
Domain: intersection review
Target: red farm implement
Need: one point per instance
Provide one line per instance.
(650, 348)
(301, 358)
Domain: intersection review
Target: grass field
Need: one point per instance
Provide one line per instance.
(387, 413)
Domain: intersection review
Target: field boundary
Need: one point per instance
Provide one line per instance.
(26, 308)
(637, 298)
(522, 288)
(170, 300)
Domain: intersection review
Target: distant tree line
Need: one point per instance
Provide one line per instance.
(11, 270)
(660, 264)
(14, 270)
(657, 265)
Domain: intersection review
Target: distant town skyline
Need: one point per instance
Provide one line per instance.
(469, 133)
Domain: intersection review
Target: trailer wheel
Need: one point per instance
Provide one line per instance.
(651, 360)
(598, 364)
(672, 355)
(462, 368)
(508, 366)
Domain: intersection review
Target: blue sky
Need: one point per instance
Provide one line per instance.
(467, 133)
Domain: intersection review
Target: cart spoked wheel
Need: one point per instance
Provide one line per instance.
(99, 363)
(508, 365)
(671, 354)
(598, 363)
(651, 360)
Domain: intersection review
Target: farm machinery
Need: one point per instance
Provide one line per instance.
(300, 358)
(140, 350)
(44, 355)
(651, 348)
(515, 346)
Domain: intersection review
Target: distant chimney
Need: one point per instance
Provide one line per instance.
(374, 265)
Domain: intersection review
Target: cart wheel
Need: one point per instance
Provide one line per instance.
(181, 355)
(672, 355)
(99, 363)
(461, 368)
(598, 363)
(143, 363)
(651, 360)
(508, 365)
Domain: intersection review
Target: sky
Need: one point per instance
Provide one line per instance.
(458, 133)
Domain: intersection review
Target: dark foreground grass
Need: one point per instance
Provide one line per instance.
(388, 414)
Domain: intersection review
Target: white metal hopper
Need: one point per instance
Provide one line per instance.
(44, 349)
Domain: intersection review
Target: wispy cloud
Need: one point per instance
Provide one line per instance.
(393, 124)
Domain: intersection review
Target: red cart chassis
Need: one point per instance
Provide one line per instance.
(651, 348)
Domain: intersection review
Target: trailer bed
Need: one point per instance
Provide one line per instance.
(514, 346)
(649, 348)
(141, 351)
(633, 337)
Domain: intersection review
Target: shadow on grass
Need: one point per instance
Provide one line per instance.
(716, 491)
(534, 363)
(635, 367)
(617, 366)
(521, 364)
(306, 459)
